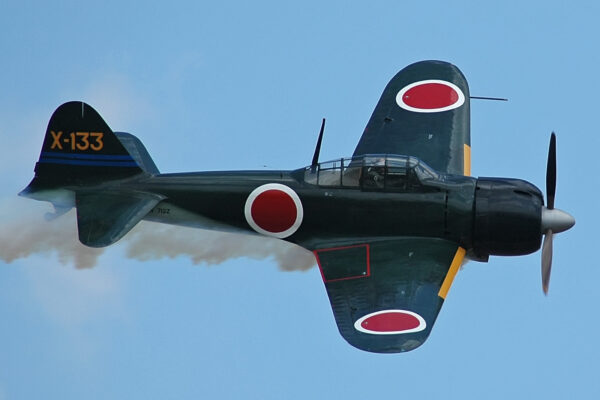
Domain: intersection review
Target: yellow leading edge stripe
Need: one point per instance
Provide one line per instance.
(467, 160)
(456, 262)
(460, 253)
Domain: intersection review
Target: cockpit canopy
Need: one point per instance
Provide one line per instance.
(372, 172)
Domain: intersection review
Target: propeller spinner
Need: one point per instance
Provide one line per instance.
(553, 219)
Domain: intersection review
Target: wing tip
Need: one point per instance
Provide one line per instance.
(396, 343)
(397, 347)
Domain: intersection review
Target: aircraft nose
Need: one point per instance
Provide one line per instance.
(556, 220)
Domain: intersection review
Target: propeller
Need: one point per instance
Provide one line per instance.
(553, 219)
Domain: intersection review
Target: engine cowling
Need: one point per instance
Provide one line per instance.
(507, 217)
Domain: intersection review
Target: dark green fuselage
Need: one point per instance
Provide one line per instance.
(441, 208)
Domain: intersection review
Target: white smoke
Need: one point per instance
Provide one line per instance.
(28, 232)
(33, 234)
(153, 241)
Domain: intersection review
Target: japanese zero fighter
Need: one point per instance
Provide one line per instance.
(389, 226)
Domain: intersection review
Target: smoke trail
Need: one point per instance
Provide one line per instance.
(34, 234)
(152, 241)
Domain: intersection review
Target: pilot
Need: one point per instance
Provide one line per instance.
(376, 172)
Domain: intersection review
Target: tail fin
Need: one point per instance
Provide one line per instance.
(80, 149)
(79, 152)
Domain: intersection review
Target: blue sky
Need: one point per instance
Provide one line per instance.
(244, 85)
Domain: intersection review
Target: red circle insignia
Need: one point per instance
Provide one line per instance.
(431, 95)
(390, 322)
(274, 209)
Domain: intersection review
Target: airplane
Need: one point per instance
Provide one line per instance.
(389, 226)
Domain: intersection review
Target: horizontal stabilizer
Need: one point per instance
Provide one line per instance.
(104, 218)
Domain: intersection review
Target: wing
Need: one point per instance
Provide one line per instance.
(423, 112)
(386, 294)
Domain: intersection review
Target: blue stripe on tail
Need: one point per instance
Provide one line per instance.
(95, 160)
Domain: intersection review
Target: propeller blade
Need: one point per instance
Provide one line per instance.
(551, 172)
(547, 260)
